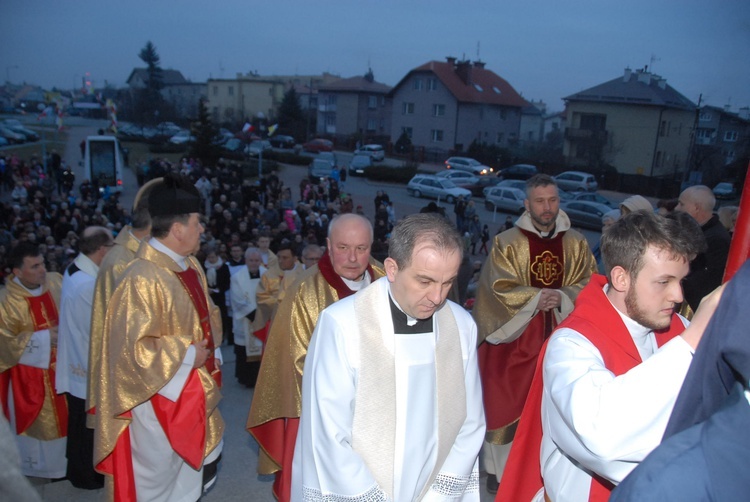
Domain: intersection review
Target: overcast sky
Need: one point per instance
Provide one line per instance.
(546, 49)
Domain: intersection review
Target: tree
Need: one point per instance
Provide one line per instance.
(204, 132)
(403, 144)
(291, 118)
(150, 103)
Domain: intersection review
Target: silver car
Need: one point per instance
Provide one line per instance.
(584, 213)
(425, 185)
(506, 199)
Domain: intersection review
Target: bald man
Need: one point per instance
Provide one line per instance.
(707, 269)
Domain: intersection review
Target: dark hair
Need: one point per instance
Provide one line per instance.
(625, 242)
(94, 238)
(692, 227)
(23, 249)
(419, 227)
(160, 225)
(286, 245)
(539, 180)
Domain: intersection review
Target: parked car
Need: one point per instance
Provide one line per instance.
(725, 190)
(27, 133)
(256, 147)
(318, 145)
(467, 164)
(319, 169)
(592, 197)
(233, 145)
(520, 184)
(483, 182)
(375, 151)
(182, 137)
(4, 142)
(359, 163)
(584, 213)
(518, 172)
(507, 199)
(330, 157)
(427, 185)
(12, 136)
(574, 181)
(282, 141)
(459, 178)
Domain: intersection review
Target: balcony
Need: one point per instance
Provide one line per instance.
(323, 107)
(587, 135)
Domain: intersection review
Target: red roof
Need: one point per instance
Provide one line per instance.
(481, 85)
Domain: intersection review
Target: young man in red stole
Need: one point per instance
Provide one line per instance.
(157, 418)
(608, 377)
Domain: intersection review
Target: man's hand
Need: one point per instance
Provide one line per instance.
(201, 354)
(549, 299)
(698, 323)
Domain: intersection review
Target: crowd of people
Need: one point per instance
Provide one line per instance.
(348, 331)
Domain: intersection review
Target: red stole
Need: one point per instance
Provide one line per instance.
(508, 368)
(600, 323)
(31, 385)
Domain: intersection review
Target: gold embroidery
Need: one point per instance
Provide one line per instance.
(547, 268)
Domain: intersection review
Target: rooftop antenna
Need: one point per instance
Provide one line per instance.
(221, 69)
(651, 64)
(478, 58)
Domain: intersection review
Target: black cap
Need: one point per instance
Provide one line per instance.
(174, 195)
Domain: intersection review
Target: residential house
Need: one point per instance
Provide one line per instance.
(354, 106)
(637, 123)
(182, 94)
(721, 138)
(531, 130)
(445, 106)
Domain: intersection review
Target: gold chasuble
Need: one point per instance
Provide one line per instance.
(150, 323)
(39, 412)
(520, 264)
(277, 401)
(113, 265)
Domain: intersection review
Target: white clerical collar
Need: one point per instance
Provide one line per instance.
(641, 335)
(86, 265)
(34, 292)
(160, 246)
(357, 285)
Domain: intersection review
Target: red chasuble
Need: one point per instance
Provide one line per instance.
(508, 368)
(599, 322)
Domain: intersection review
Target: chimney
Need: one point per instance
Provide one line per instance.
(463, 70)
(479, 64)
(744, 113)
(626, 76)
(727, 107)
(645, 77)
(451, 60)
(662, 83)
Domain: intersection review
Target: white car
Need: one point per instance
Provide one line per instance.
(258, 146)
(426, 185)
(375, 151)
(504, 198)
(460, 178)
(575, 181)
(467, 164)
(181, 138)
(724, 190)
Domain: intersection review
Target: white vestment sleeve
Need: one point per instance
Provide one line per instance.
(459, 474)
(324, 462)
(38, 350)
(608, 424)
(173, 388)
(242, 304)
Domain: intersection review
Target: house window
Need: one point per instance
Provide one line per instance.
(502, 114)
(408, 108)
(432, 84)
(216, 90)
(438, 110)
(417, 84)
(372, 124)
(330, 119)
(408, 131)
(372, 102)
(230, 90)
(331, 99)
(730, 136)
(436, 135)
(704, 117)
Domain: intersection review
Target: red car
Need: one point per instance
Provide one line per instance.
(318, 145)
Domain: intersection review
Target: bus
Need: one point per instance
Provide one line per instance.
(103, 163)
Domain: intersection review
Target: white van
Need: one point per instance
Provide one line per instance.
(375, 151)
(103, 162)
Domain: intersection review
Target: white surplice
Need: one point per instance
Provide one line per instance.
(326, 464)
(608, 424)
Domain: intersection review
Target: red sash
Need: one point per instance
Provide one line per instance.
(593, 313)
(31, 385)
(119, 465)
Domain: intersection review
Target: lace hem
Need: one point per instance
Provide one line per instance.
(452, 485)
(374, 494)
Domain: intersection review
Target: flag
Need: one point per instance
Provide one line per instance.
(272, 129)
(247, 128)
(45, 112)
